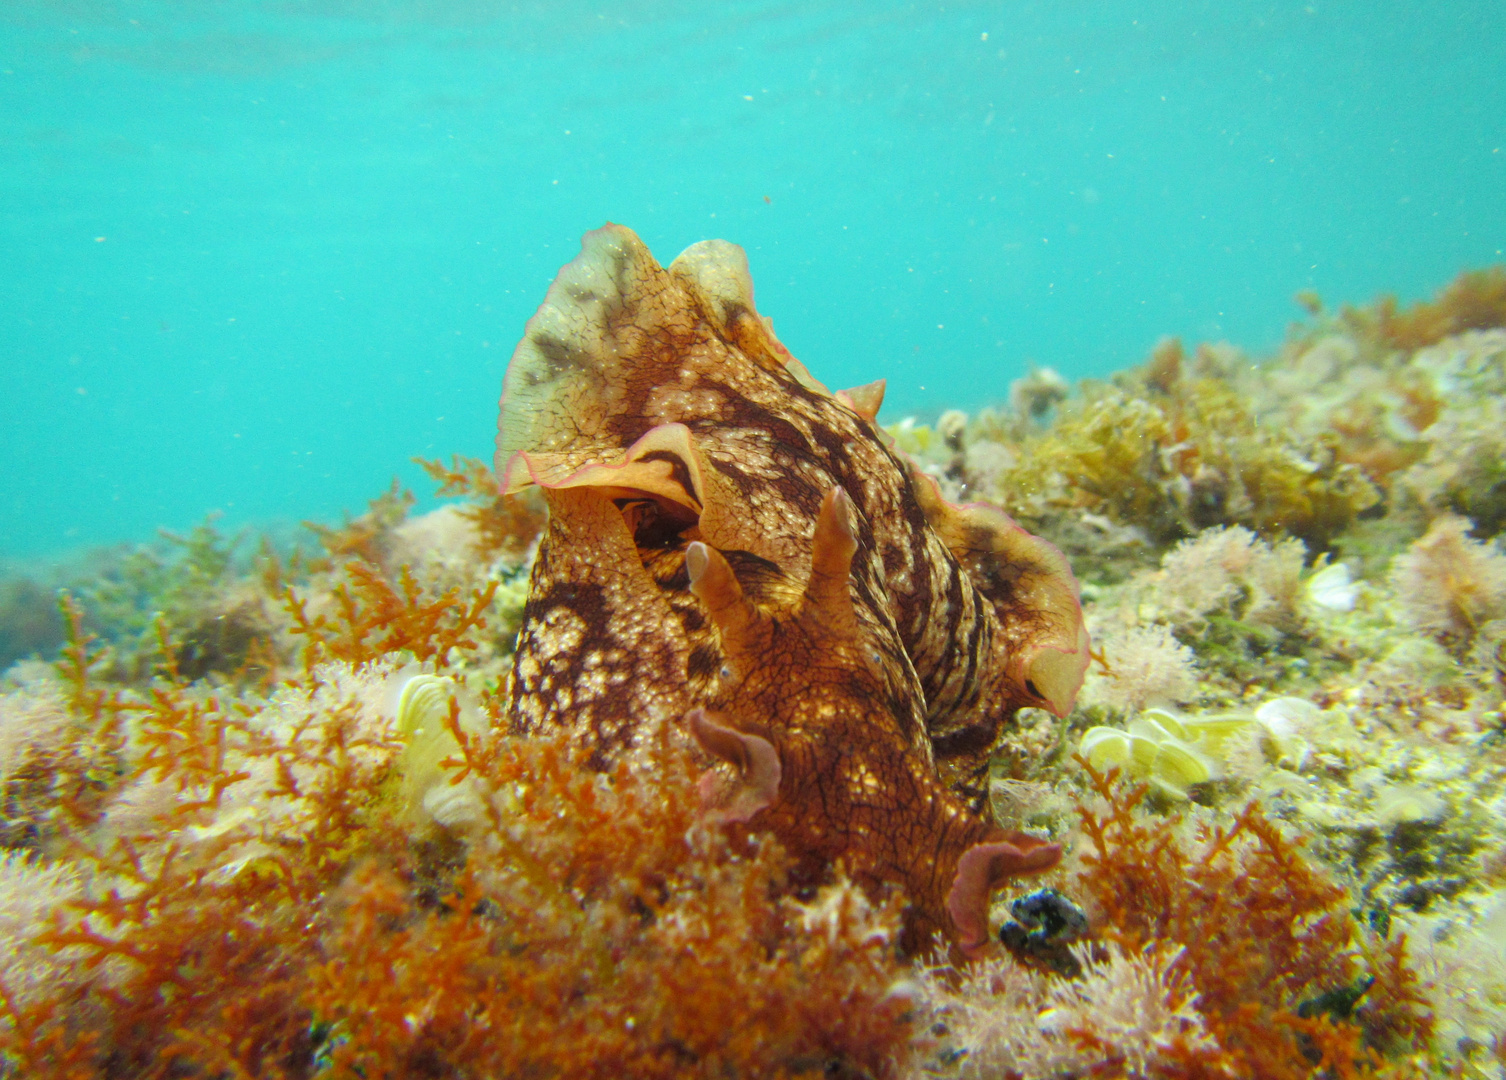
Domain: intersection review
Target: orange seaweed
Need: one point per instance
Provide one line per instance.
(196, 969)
(1475, 300)
(613, 948)
(1269, 941)
(590, 927)
(372, 619)
(505, 524)
(364, 537)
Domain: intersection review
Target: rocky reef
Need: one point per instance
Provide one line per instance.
(269, 809)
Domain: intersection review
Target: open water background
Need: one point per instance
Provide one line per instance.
(255, 255)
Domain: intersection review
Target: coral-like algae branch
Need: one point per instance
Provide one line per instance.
(248, 898)
(1269, 942)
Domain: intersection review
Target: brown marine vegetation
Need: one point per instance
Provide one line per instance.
(373, 619)
(1289, 983)
(1364, 425)
(1475, 300)
(591, 939)
(233, 887)
(251, 907)
(1450, 584)
(365, 537)
(1169, 449)
(1215, 948)
(505, 524)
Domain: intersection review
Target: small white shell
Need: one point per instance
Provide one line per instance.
(1333, 589)
(1281, 717)
(456, 806)
(1290, 711)
(1402, 803)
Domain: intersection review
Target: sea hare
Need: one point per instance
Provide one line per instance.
(733, 548)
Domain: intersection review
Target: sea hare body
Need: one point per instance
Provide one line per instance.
(734, 548)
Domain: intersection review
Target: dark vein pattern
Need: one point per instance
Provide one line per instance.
(657, 411)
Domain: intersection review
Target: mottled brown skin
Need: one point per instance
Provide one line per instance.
(623, 348)
(601, 642)
(850, 785)
(661, 417)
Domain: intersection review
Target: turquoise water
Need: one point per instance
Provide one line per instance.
(257, 255)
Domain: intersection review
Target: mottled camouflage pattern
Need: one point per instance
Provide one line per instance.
(656, 408)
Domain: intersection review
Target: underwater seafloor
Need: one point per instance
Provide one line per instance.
(259, 820)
